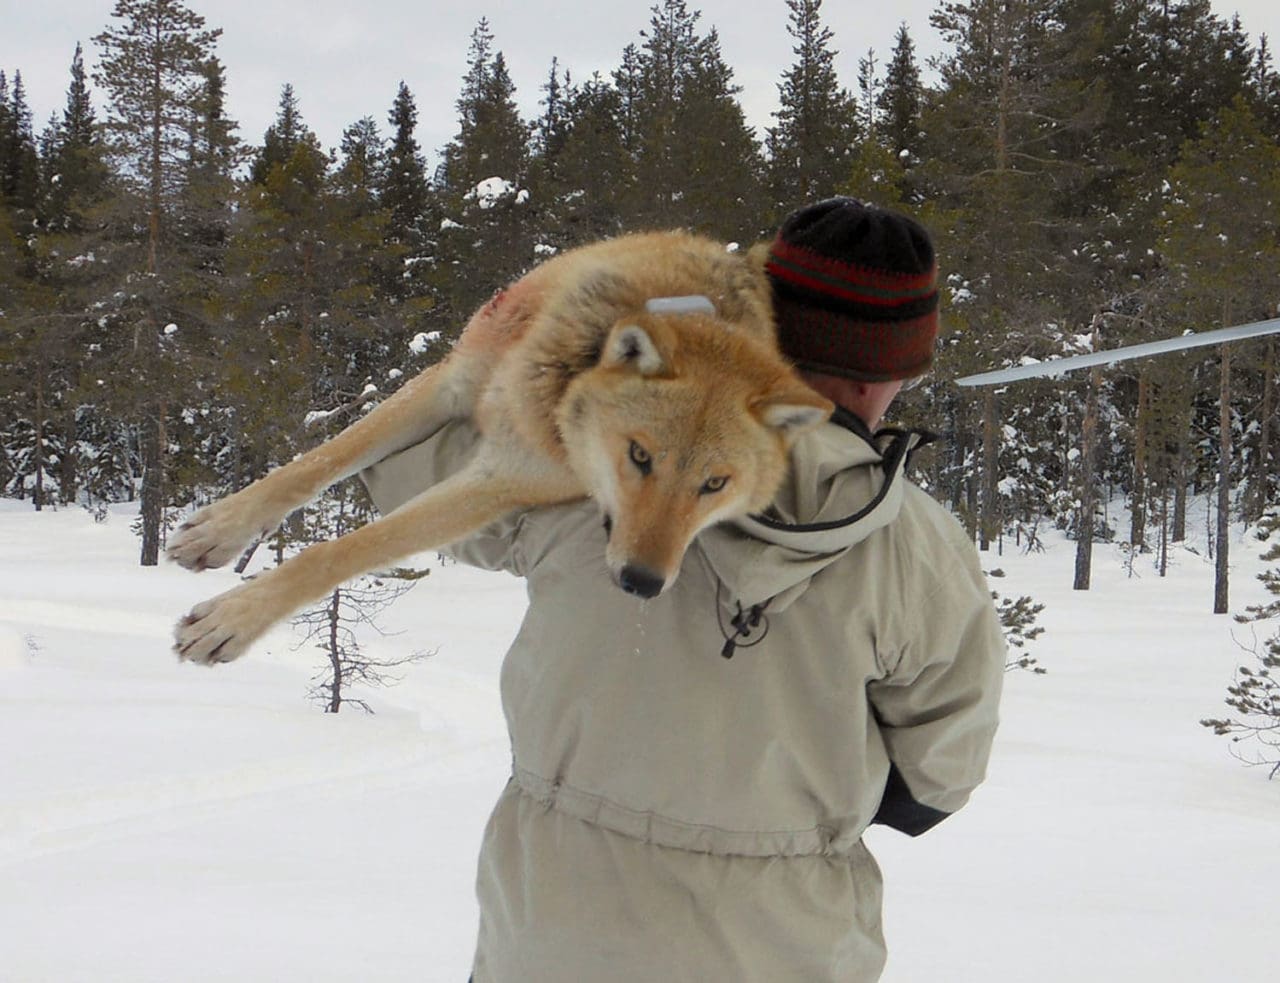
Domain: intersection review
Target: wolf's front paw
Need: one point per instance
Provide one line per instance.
(218, 533)
(222, 628)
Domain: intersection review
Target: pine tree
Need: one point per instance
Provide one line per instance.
(152, 67)
(810, 150)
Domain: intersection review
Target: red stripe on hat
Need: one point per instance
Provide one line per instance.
(848, 281)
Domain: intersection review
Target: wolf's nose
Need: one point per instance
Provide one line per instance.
(639, 581)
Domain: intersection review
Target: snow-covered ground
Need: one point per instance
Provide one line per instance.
(165, 822)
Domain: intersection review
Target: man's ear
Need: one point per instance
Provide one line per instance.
(793, 410)
(632, 346)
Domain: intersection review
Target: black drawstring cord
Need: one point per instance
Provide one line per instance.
(744, 623)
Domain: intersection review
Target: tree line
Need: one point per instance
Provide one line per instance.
(181, 309)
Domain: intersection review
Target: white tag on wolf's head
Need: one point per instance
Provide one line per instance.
(693, 304)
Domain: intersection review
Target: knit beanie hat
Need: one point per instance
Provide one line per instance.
(855, 291)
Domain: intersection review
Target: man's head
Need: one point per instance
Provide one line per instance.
(855, 291)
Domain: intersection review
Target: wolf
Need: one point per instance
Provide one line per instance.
(641, 372)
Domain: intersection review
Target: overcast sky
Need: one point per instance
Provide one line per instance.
(346, 58)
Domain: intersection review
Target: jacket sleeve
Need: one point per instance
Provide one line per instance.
(937, 708)
(397, 479)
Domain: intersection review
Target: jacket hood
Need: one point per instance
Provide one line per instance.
(843, 485)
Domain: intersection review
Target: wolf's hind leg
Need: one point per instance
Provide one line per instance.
(221, 629)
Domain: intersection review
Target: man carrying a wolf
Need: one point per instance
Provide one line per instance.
(692, 774)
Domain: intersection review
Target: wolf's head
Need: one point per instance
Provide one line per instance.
(684, 422)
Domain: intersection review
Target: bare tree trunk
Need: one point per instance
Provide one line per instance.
(1262, 482)
(1138, 519)
(989, 526)
(69, 465)
(1088, 440)
(335, 652)
(1164, 529)
(152, 484)
(1178, 533)
(959, 451)
(971, 501)
(1221, 571)
(37, 499)
(964, 490)
(1084, 521)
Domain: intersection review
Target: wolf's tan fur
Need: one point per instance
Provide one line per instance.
(670, 421)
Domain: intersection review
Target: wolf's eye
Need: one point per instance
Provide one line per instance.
(640, 458)
(713, 485)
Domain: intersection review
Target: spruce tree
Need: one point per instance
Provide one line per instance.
(1266, 85)
(405, 190)
(717, 152)
(550, 136)
(282, 137)
(410, 271)
(594, 172)
(6, 127)
(662, 66)
(71, 255)
(484, 182)
(310, 267)
(361, 174)
(213, 154)
(19, 159)
(492, 140)
(75, 166)
(551, 129)
(685, 130)
(810, 150)
(899, 103)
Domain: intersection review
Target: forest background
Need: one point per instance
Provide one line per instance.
(182, 308)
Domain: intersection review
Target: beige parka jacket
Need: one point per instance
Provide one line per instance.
(675, 815)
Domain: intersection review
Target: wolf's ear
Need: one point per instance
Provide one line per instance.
(631, 345)
(793, 410)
